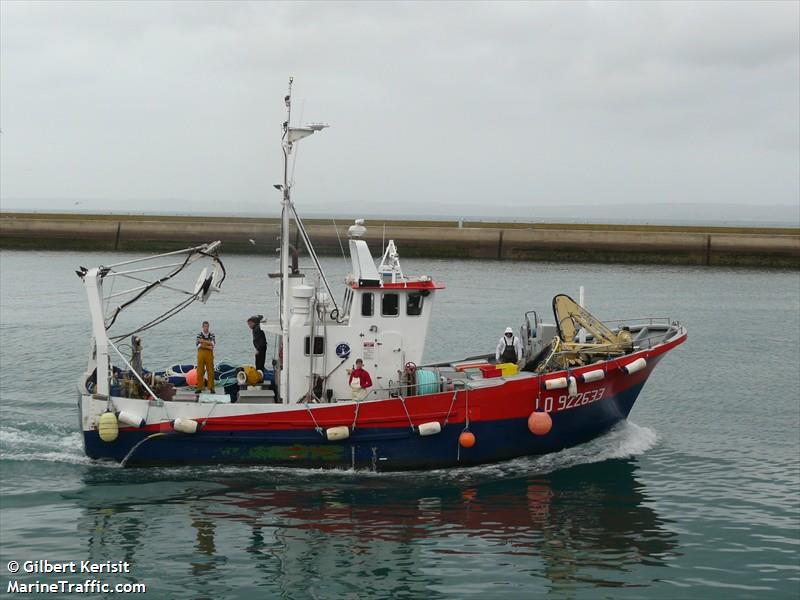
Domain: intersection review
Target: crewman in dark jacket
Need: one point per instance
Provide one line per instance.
(259, 340)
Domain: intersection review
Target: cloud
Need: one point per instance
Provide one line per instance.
(131, 105)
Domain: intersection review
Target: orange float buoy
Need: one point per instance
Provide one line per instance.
(469, 495)
(191, 377)
(466, 439)
(540, 423)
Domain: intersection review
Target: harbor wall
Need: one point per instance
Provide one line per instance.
(772, 247)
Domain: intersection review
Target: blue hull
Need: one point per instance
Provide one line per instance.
(378, 449)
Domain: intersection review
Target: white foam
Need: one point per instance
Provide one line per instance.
(20, 445)
(623, 441)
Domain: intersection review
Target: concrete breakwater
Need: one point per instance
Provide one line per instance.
(774, 247)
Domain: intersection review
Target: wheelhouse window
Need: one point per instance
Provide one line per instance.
(319, 345)
(414, 304)
(390, 305)
(367, 304)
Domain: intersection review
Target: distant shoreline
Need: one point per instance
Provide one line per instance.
(542, 241)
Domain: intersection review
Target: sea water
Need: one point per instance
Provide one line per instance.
(696, 496)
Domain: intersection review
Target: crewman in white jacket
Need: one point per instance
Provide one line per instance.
(509, 349)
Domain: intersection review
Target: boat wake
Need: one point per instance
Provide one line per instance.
(625, 440)
(42, 442)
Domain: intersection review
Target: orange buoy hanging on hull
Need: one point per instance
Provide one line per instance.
(540, 423)
(466, 439)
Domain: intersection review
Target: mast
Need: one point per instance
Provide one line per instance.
(285, 210)
(290, 136)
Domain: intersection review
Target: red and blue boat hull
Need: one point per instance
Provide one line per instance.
(384, 434)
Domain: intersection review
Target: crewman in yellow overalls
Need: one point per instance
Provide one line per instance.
(205, 358)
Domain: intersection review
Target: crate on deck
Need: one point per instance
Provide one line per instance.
(490, 371)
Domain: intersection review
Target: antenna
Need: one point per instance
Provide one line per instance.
(338, 237)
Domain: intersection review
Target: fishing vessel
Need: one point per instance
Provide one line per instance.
(574, 378)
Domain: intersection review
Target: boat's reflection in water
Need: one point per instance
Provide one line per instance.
(590, 524)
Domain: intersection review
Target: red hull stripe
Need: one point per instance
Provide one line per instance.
(405, 285)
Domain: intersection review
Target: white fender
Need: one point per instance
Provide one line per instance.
(589, 376)
(633, 366)
(555, 384)
(572, 387)
(184, 425)
(334, 434)
(130, 419)
(431, 428)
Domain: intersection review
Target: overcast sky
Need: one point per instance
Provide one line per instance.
(435, 108)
